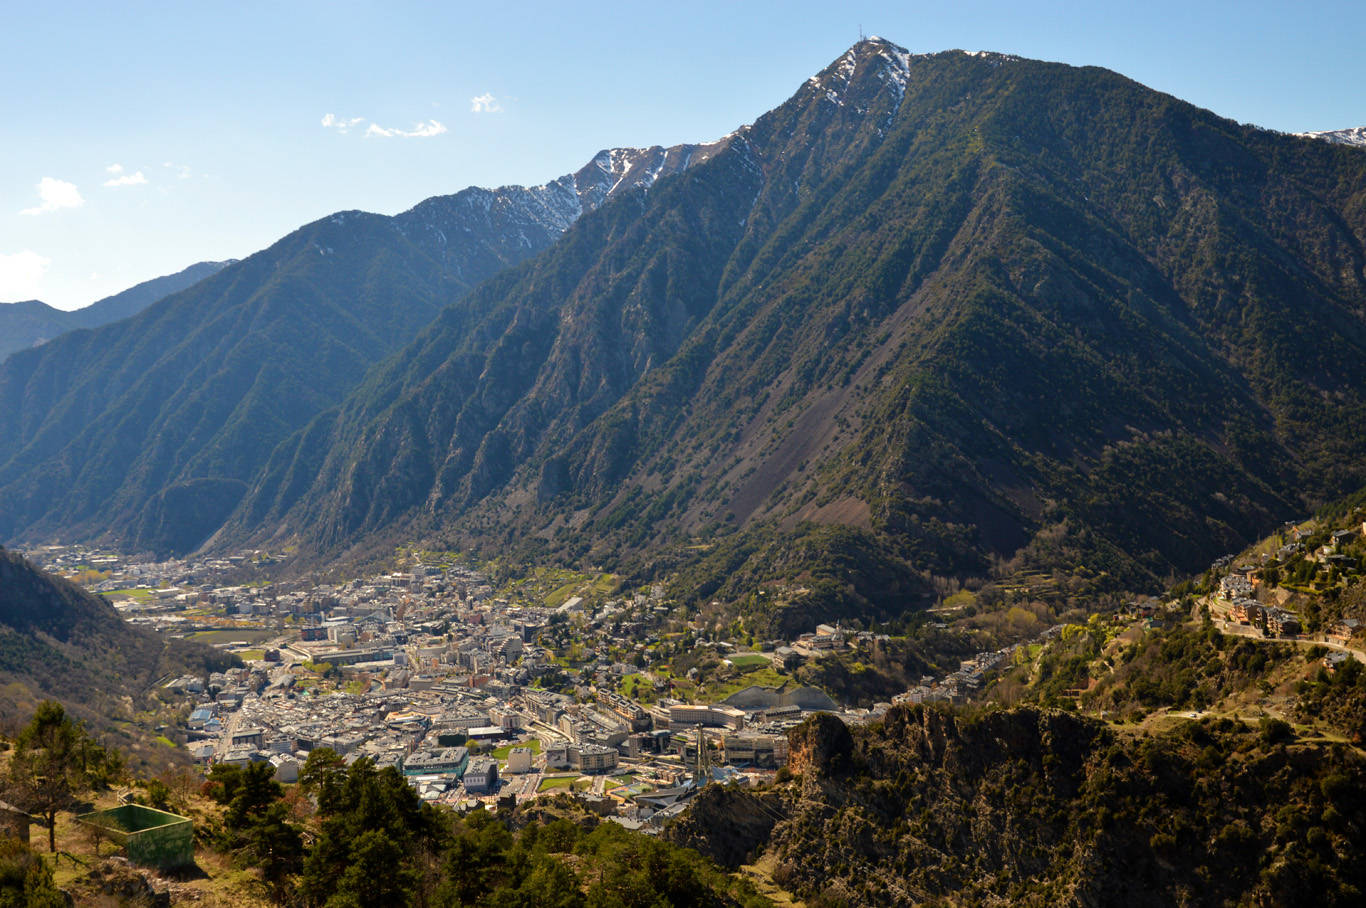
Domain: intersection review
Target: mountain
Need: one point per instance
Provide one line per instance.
(979, 314)
(1354, 136)
(30, 323)
(27, 323)
(1033, 807)
(146, 431)
(59, 642)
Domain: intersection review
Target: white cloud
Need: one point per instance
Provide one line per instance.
(125, 179)
(341, 124)
(55, 194)
(485, 103)
(419, 131)
(182, 171)
(20, 274)
(115, 169)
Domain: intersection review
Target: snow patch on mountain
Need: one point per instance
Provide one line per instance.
(1353, 136)
(477, 221)
(993, 57)
(891, 62)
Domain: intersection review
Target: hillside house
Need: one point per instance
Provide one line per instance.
(1246, 611)
(1280, 623)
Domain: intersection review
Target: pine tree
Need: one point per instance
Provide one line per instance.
(54, 761)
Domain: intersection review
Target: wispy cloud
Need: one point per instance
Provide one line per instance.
(182, 171)
(119, 178)
(374, 130)
(419, 131)
(341, 124)
(485, 103)
(21, 273)
(55, 194)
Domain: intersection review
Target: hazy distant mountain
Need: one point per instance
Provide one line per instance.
(970, 307)
(30, 323)
(1354, 136)
(147, 430)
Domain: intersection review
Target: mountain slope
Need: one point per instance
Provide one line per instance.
(30, 323)
(147, 430)
(978, 308)
(59, 642)
(1031, 807)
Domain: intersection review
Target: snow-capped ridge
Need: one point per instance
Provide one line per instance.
(449, 224)
(892, 62)
(993, 56)
(614, 170)
(1355, 135)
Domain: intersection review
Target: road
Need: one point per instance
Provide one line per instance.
(1255, 635)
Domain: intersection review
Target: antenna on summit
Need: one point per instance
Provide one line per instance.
(861, 36)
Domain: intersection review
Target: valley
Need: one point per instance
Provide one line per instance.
(898, 500)
(505, 691)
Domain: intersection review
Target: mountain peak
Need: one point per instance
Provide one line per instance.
(872, 57)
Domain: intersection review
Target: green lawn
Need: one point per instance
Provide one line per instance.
(501, 753)
(142, 595)
(573, 783)
(764, 677)
(747, 661)
(233, 635)
(636, 686)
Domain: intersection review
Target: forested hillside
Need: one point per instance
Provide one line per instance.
(59, 642)
(147, 432)
(1028, 807)
(988, 313)
(29, 323)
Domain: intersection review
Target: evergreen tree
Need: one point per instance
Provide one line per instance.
(371, 819)
(54, 761)
(25, 878)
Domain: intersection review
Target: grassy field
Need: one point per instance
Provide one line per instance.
(555, 586)
(764, 677)
(234, 635)
(501, 753)
(748, 661)
(637, 687)
(570, 783)
(141, 595)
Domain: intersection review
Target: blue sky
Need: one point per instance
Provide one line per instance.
(140, 138)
